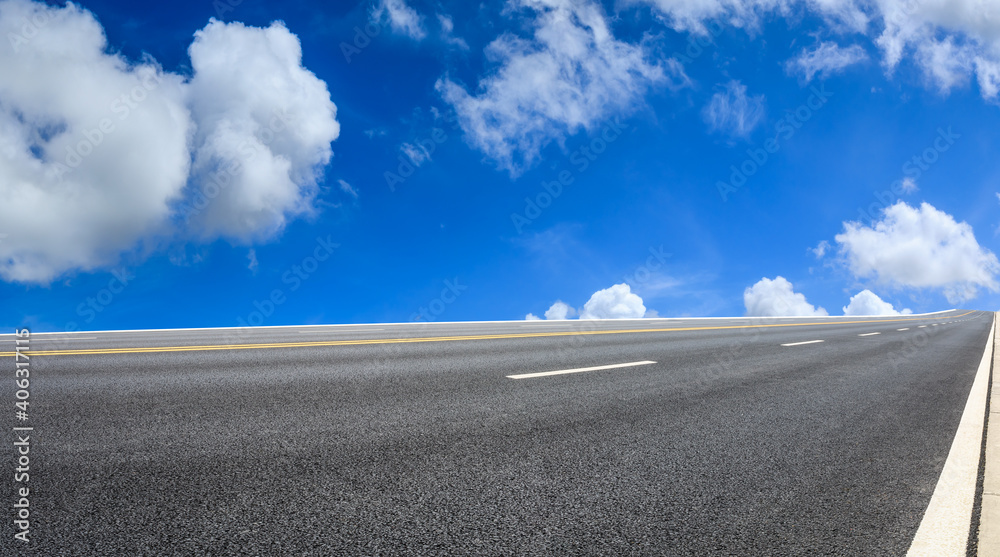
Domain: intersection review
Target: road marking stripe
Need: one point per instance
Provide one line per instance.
(48, 339)
(944, 530)
(205, 348)
(922, 327)
(339, 331)
(868, 334)
(578, 370)
(801, 343)
(906, 329)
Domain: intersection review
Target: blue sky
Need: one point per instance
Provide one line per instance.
(403, 160)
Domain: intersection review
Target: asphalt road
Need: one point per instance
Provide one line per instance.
(412, 440)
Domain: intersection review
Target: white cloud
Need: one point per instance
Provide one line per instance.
(867, 302)
(909, 185)
(348, 189)
(571, 75)
(256, 106)
(692, 15)
(401, 18)
(733, 112)
(820, 250)
(920, 248)
(253, 264)
(448, 32)
(560, 310)
(95, 151)
(826, 59)
(416, 153)
(532, 317)
(776, 298)
(950, 40)
(71, 195)
(617, 302)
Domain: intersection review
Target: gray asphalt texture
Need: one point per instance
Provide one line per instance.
(730, 445)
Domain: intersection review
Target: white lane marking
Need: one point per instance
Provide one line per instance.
(944, 530)
(801, 343)
(922, 327)
(340, 331)
(577, 370)
(45, 339)
(906, 329)
(868, 334)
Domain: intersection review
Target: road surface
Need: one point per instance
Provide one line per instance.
(727, 437)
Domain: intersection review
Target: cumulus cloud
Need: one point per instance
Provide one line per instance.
(96, 151)
(731, 111)
(571, 75)
(777, 298)
(259, 111)
(617, 302)
(826, 59)
(401, 18)
(909, 185)
(532, 317)
(920, 248)
(867, 302)
(560, 310)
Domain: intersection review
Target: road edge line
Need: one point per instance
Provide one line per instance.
(988, 543)
(944, 529)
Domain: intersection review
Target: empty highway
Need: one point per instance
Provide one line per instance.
(811, 436)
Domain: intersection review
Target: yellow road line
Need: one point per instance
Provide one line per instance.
(204, 348)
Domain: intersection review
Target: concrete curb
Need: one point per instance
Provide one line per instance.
(989, 518)
(944, 529)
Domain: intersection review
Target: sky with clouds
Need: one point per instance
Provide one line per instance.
(239, 162)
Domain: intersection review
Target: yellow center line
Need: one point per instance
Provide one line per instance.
(204, 348)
